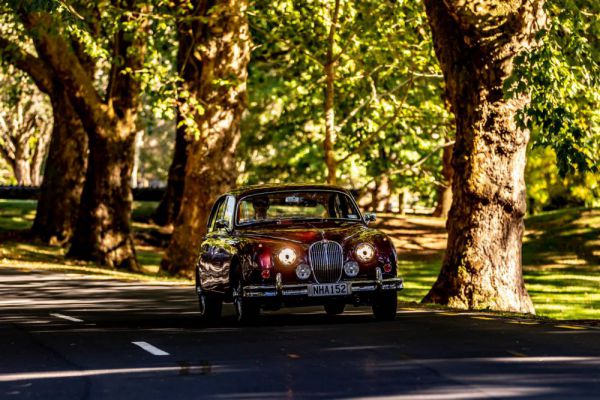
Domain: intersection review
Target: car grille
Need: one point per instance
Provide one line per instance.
(326, 260)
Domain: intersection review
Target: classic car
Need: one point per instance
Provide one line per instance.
(273, 246)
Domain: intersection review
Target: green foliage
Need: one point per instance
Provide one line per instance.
(388, 99)
(562, 75)
(548, 190)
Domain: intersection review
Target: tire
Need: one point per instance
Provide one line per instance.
(334, 308)
(210, 306)
(246, 311)
(385, 305)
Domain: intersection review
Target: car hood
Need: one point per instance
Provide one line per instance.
(308, 234)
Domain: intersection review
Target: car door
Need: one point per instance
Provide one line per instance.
(217, 249)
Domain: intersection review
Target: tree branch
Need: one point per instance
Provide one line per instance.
(28, 63)
(57, 52)
(363, 145)
(368, 101)
(423, 159)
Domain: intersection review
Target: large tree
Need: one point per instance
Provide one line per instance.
(65, 165)
(216, 39)
(476, 43)
(108, 113)
(24, 127)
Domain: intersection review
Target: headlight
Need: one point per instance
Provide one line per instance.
(303, 271)
(351, 269)
(287, 256)
(364, 252)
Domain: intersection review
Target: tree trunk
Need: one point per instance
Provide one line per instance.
(64, 174)
(330, 128)
(167, 210)
(38, 156)
(475, 46)
(219, 50)
(444, 191)
(22, 170)
(103, 231)
(189, 71)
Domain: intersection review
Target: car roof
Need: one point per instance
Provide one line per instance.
(270, 187)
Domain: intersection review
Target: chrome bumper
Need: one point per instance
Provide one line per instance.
(358, 286)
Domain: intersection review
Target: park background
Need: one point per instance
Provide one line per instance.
(324, 91)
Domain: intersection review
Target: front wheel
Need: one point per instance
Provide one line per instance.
(210, 306)
(385, 305)
(246, 311)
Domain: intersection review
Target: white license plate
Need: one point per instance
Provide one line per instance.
(330, 289)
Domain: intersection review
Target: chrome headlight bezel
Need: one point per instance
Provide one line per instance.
(351, 269)
(303, 271)
(364, 252)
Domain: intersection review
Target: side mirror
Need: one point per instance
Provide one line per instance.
(370, 217)
(221, 224)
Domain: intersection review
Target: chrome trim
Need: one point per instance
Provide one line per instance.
(324, 269)
(302, 289)
(278, 283)
(378, 276)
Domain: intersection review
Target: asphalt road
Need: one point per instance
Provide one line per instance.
(70, 337)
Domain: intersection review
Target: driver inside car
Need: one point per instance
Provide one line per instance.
(260, 205)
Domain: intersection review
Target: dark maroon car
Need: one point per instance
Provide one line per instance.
(272, 246)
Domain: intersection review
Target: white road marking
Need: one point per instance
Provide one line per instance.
(67, 317)
(151, 349)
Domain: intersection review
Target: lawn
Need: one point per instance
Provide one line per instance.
(16, 216)
(561, 254)
(561, 259)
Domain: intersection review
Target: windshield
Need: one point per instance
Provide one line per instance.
(294, 205)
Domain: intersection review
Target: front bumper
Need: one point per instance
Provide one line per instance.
(358, 286)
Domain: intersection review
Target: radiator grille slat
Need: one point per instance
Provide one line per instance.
(326, 260)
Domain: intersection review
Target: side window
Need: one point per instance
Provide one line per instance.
(228, 210)
(216, 213)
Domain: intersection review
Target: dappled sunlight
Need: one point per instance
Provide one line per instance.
(179, 370)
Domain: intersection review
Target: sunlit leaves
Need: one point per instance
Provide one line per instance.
(388, 92)
(562, 76)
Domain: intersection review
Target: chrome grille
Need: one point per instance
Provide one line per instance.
(326, 260)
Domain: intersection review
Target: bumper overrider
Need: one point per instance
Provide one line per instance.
(301, 289)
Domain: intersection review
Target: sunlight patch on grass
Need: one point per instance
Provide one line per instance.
(418, 279)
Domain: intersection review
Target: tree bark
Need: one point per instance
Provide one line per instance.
(444, 191)
(22, 171)
(219, 49)
(64, 174)
(189, 71)
(168, 208)
(102, 231)
(329, 107)
(476, 44)
(65, 166)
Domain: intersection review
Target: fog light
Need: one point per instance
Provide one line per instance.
(266, 273)
(387, 268)
(303, 271)
(351, 269)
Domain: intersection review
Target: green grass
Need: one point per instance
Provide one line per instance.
(561, 258)
(561, 265)
(16, 214)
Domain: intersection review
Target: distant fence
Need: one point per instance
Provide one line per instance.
(32, 193)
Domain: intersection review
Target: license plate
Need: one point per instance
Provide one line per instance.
(330, 289)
